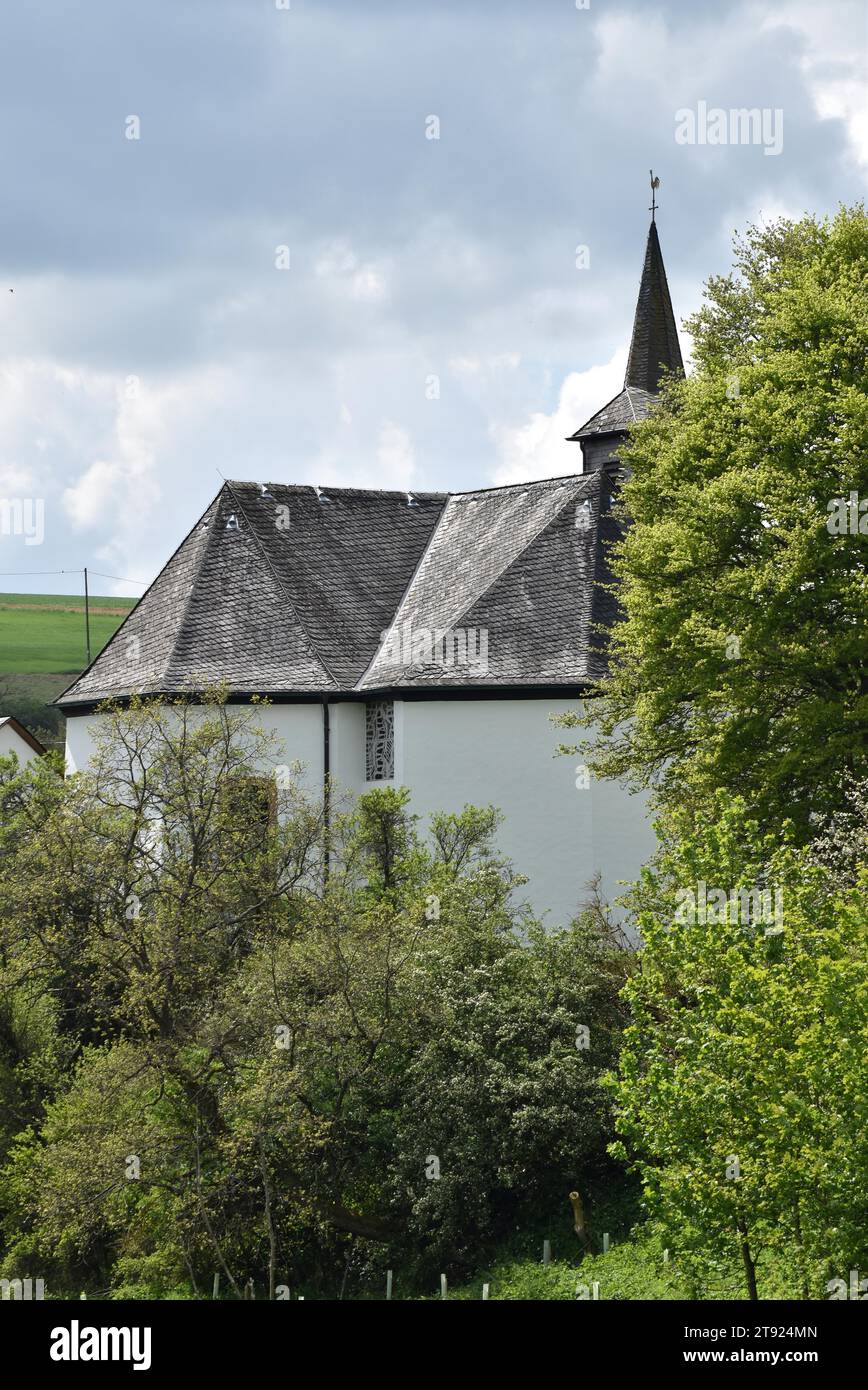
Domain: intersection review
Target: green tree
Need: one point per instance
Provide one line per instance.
(740, 660)
(253, 1050)
(741, 1094)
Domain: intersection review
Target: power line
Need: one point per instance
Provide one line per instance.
(25, 574)
(120, 578)
(22, 574)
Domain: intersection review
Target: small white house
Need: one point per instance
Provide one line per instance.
(14, 738)
(421, 639)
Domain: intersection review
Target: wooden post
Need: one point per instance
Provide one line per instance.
(215, 1293)
(579, 1219)
(606, 1243)
(443, 1286)
(388, 1283)
(87, 615)
(547, 1252)
(485, 1288)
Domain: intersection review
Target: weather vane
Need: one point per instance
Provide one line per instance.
(655, 184)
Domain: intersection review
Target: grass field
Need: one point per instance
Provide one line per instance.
(45, 633)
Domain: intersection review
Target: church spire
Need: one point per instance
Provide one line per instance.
(654, 345)
(653, 350)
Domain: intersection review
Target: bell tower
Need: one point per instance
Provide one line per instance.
(654, 349)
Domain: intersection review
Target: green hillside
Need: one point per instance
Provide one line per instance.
(45, 633)
(43, 648)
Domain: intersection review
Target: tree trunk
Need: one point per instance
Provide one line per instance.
(269, 1221)
(747, 1261)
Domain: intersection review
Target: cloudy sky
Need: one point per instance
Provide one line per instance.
(432, 329)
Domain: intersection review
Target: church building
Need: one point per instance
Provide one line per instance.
(421, 639)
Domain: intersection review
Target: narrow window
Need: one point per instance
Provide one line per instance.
(380, 740)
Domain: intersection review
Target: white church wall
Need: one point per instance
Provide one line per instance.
(557, 831)
(80, 745)
(502, 752)
(347, 746)
(297, 729)
(298, 732)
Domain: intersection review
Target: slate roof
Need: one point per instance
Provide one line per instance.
(521, 565)
(654, 349)
(618, 414)
(287, 591)
(279, 591)
(273, 590)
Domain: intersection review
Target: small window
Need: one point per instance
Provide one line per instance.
(380, 740)
(251, 802)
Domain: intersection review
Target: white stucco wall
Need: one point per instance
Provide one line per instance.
(485, 752)
(502, 752)
(298, 729)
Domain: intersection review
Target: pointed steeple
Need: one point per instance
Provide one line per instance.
(654, 350)
(654, 346)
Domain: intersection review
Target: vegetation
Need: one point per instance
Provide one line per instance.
(217, 1057)
(738, 693)
(742, 1091)
(740, 662)
(246, 1032)
(45, 633)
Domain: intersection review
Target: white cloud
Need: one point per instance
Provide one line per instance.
(395, 457)
(834, 62)
(489, 366)
(538, 448)
(365, 282)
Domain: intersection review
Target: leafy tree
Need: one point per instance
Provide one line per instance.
(741, 1093)
(740, 660)
(253, 1048)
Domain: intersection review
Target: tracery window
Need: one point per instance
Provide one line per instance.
(380, 740)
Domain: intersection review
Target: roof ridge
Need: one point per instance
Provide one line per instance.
(505, 487)
(335, 487)
(276, 577)
(139, 601)
(581, 478)
(188, 600)
(414, 492)
(466, 607)
(434, 529)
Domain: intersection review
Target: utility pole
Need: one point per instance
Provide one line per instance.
(87, 615)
